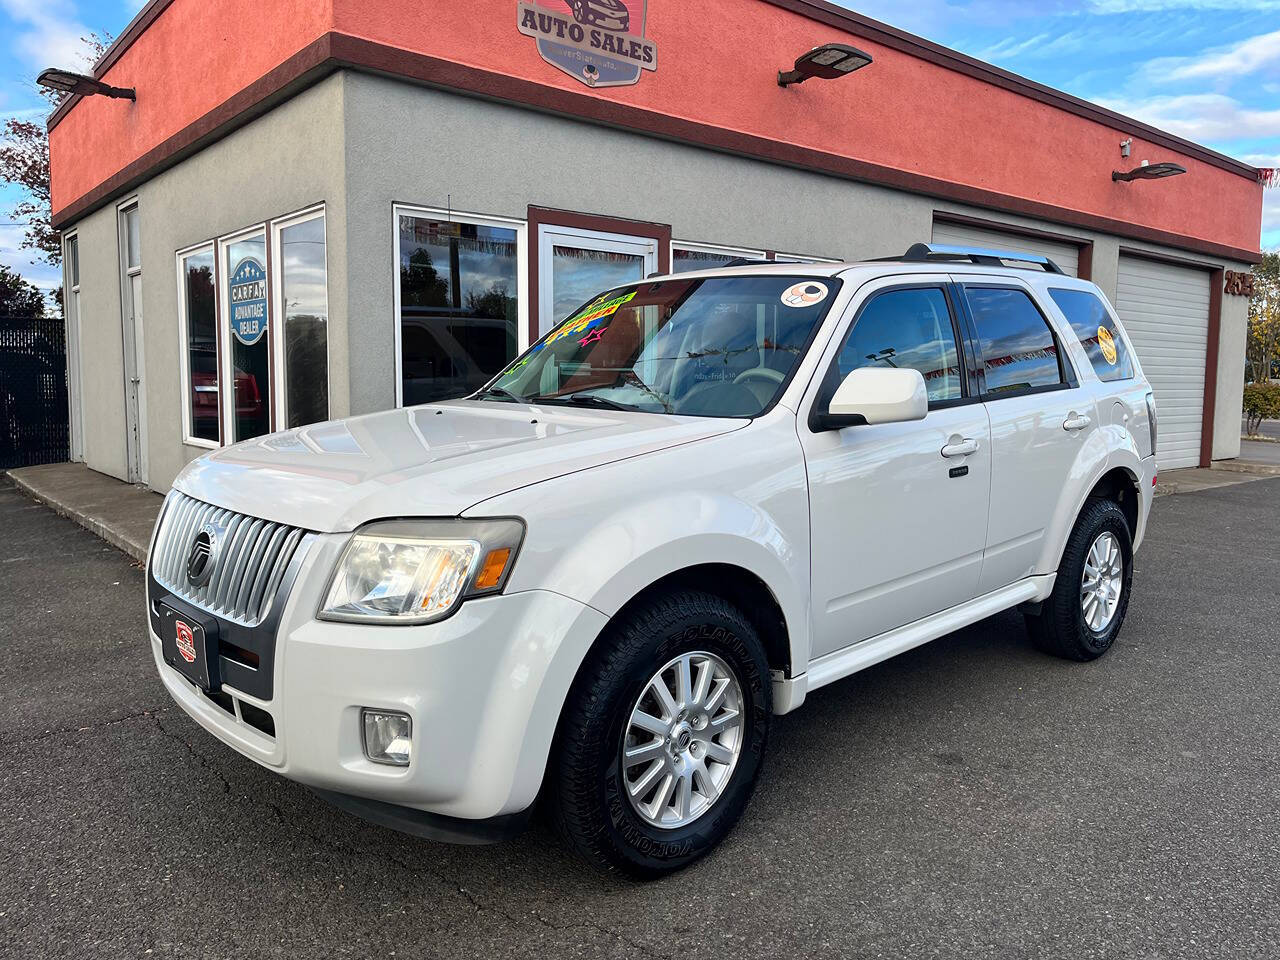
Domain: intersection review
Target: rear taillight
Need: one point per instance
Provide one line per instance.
(1153, 421)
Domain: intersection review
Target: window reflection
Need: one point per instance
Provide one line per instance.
(202, 346)
(458, 306)
(686, 261)
(1018, 350)
(251, 363)
(306, 314)
(911, 329)
(577, 274)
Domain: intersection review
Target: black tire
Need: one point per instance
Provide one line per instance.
(587, 801)
(1060, 628)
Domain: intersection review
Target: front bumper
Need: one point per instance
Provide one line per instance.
(484, 689)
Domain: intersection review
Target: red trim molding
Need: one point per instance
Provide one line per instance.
(547, 216)
(1084, 246)
(334, 51)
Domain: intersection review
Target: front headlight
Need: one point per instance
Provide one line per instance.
(417, 571)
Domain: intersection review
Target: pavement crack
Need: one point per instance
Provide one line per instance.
(62, 732)
(196, 755)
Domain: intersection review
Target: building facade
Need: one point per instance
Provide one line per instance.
(312, 211)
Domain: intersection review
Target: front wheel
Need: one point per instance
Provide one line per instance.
(1083, 615)
(662, 737)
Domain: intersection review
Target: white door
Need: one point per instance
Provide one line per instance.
(1065, 255)
(575, 265)
(898, 512)
(131, 319)
(1165, 311)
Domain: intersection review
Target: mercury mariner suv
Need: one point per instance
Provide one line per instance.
(696, 500)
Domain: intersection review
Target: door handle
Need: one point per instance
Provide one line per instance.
(961, 449)
(1076, 422)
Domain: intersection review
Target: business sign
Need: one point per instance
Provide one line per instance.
(599, 42)
(248, 298)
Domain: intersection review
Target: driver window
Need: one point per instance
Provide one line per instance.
(907, 328)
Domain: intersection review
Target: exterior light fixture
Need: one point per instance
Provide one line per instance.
(831, 61)
(1150, 171)
(64, 81)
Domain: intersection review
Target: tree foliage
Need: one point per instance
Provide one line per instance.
(1261, 402)
(1262, 352)
(24, 162)
(19, 297)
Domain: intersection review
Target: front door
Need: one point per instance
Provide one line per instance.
(574, 265)
(898, 512)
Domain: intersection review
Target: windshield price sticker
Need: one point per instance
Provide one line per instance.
(594, 313)
(248, 289)
(1108, 345)
(805, 294)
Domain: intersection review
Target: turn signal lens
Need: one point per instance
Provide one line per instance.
(491, 571)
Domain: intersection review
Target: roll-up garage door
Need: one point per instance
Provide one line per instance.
(1065, 255)
(1165, 310)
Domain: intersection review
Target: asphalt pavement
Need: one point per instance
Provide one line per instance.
(972, 798)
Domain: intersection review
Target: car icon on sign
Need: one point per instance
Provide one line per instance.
(609, 14)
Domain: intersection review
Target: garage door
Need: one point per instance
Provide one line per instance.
(1165, 310)
(1065, 255)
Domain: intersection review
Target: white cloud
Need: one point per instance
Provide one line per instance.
(1202, 117)
(49, 33)
(45, 277)
(1260, 54)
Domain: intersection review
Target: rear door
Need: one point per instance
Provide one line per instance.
(1040, 418)
(898, 511)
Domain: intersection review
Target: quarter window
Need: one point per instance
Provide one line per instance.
(459, 305)
(1018, 349)
(907, 328)
(1097, 331)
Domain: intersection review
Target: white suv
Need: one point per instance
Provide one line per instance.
(695, 501)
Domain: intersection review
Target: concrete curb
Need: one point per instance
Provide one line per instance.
(124, 540)
(1249, 467)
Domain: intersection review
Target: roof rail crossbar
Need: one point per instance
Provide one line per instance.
(920, 252)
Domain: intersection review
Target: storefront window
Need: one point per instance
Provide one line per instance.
(578, 274)
(459, 305)
(245, 292)
(200, 333)
(690, 257)
(305, 316)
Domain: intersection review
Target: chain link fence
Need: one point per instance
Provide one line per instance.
(33, 391)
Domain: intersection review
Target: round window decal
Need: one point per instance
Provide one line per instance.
(805, 294)
(1108, 345)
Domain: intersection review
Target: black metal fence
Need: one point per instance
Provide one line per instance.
(33, 391)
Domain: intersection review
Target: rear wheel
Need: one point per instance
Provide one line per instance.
(662, 737)
(1083, 615)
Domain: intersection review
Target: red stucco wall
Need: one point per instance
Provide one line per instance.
(717, 61)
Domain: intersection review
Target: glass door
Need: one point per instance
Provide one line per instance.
(574, 265)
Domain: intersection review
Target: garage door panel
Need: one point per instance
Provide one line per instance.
(1165, 311)
(1065, 255)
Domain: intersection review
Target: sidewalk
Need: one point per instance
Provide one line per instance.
(123, 514)
(118, 512)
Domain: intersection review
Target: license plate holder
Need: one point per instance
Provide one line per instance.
(189, 643)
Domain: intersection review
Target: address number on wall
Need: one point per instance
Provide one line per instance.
(1238, 284)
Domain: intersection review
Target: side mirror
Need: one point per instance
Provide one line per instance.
(877, 395)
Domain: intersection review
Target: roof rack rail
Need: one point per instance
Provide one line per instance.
(747, 262)
(921, 252)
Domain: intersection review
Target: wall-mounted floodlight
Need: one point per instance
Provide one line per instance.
(64, 81)
(831, 61)
(1150, 171)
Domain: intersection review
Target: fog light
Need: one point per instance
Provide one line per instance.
(388, 737)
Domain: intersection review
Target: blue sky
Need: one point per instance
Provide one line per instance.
(1208, 70)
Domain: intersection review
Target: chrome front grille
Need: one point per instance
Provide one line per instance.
(249, 559)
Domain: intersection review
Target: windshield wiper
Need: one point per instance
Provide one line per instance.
(586, 400)
(498, 393)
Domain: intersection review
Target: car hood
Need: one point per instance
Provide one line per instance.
(430, 461)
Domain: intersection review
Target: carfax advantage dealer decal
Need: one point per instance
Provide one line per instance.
(600, 42)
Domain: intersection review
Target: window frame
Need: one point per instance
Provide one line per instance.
(521, 228)
(184, 345)
(1067, 379)
(75, 373)
(275, 311)
(719, 249)
(964, 350)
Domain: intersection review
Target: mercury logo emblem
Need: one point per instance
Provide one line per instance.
(200, 558)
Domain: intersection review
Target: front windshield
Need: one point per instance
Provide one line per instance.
(714, 347)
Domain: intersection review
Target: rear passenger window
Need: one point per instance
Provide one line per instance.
(907, 328)
(1092, 323)
(1019, 351)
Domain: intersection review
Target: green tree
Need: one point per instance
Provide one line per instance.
(1262, 351)
(19, 297)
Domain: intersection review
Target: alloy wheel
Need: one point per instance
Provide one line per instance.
(1102, 582)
